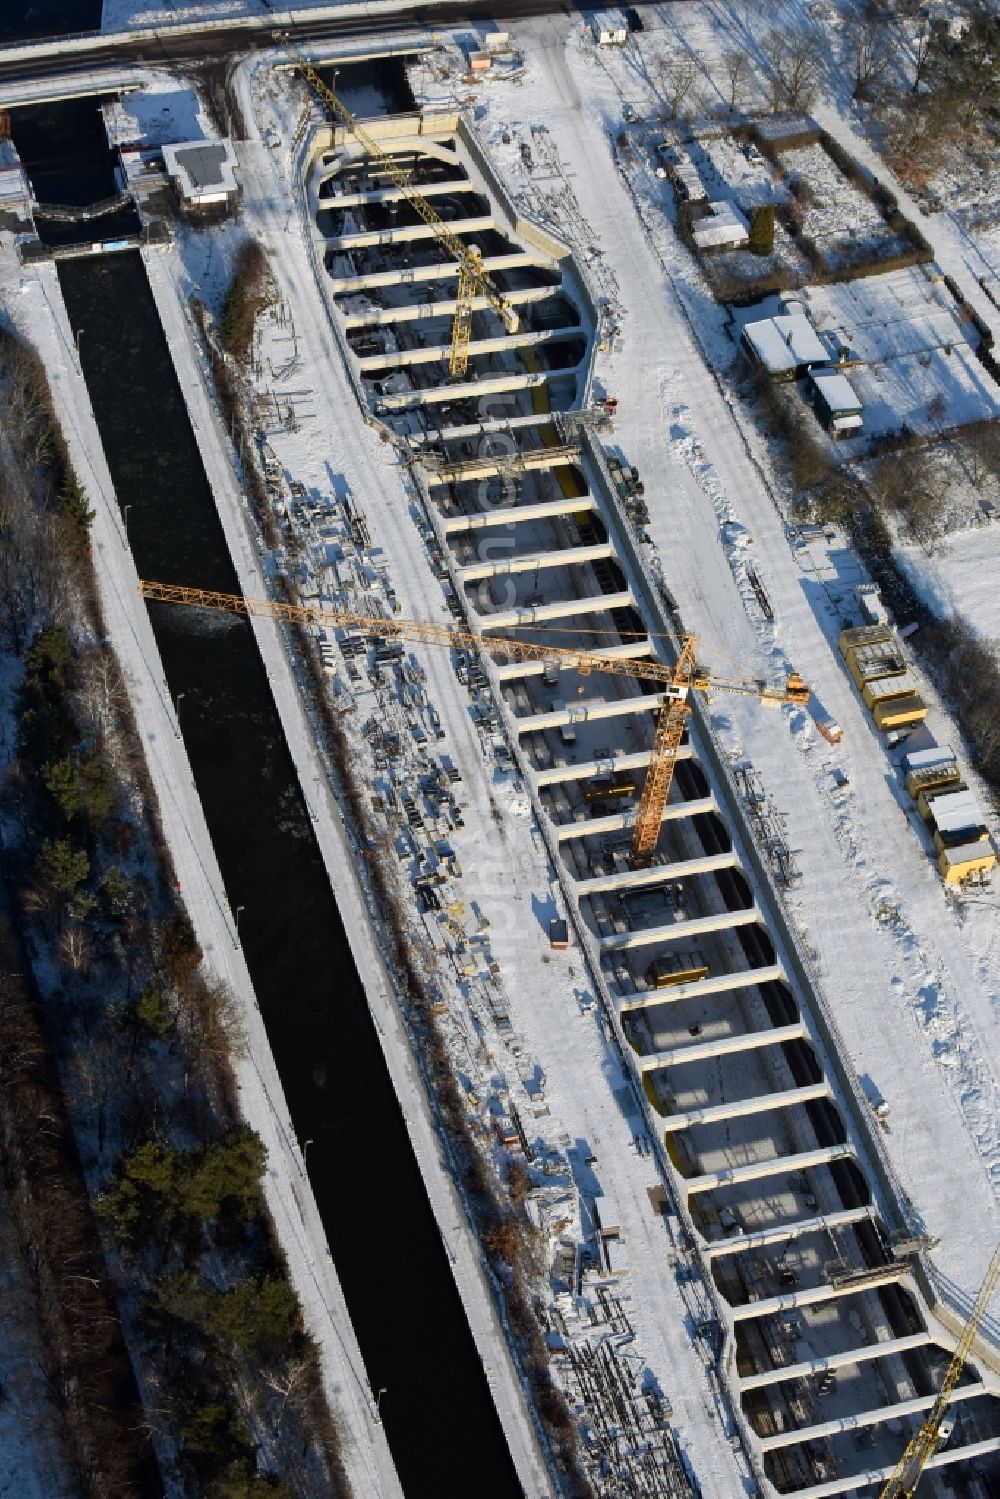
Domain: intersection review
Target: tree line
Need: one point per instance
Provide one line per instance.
(138, 1039)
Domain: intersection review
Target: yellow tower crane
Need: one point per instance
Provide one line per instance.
(905, 1479)
(677, 681)
(473, 279)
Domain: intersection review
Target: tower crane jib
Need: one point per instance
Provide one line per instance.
(676, 682)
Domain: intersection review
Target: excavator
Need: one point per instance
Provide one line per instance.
(677, 682)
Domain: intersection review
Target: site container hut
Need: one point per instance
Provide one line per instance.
(899, 712)
(837, 405)
(880, 689)
(934, 766)
(965, 860)
(786, 347)
(722, 228)
(956, 817)
(872, 658)
(679, 968)
(926, 799)
(851, 639)
(935, 784)
(606, 1217)
(869, 599)
(558, 934)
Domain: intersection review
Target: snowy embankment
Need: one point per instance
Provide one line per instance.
(166, 280)
(36, 305)
(915, 995)
(134, 15)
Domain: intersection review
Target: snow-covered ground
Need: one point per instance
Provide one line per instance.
(123, 15)
(130, 15)
(913, 977)
(162, 113)
(959, 576)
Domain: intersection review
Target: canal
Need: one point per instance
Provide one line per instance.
(437, 1410)
(23, 20)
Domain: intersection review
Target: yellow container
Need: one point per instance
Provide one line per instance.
(850, 640)
(867, 663)
(880, 689)
(899, 712)
(957, 864)
(928, 779)
(943, 787)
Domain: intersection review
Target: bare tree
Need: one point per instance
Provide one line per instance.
(774, 49)
(867, 49)
(979, 448)
(678, 75)
(793, 66)
(735, 65)
(921, 51)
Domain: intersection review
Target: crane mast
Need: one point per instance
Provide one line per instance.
(677, 680)
(473, 279)
(670, 725)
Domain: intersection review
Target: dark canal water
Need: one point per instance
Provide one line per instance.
(439, 1417)
(21, 20)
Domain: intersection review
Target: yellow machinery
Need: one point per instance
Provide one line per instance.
(473, 280)
(904, 1481)
(677, 681)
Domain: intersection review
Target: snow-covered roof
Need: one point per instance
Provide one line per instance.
(956, 812)
(205, 171)
(900, 685)
(969, 853)
(722, 225)
(784, 342)
(606, 1214)
(800, 336)
(838, 393)
(937, 754)
(688, 175)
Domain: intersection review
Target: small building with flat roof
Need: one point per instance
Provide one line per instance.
(787, 346)
(722, 228)
(836, 402)
(203, 174)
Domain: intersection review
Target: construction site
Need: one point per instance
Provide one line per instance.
(470, 336)
(517, 677)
